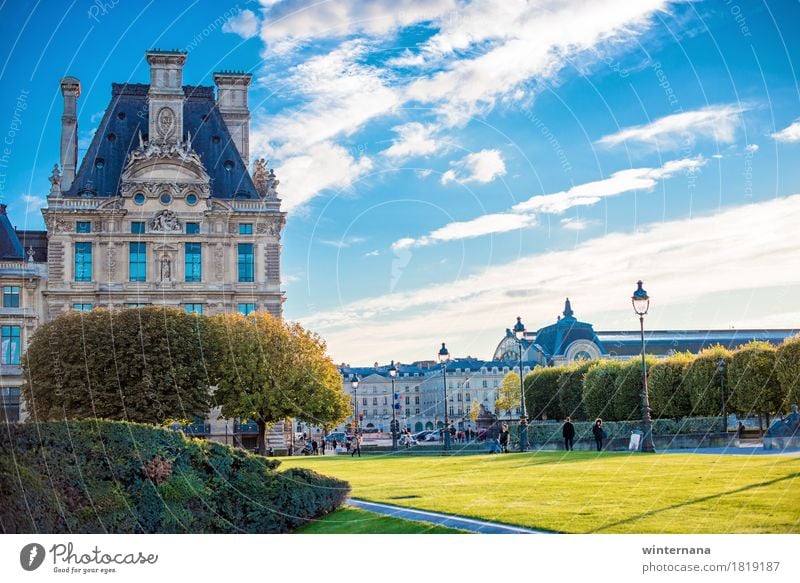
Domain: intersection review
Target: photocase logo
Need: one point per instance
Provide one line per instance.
(31, 556)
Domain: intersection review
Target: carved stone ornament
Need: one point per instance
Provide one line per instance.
(269, 228)
(149, 150)
(111, 255)
(165, 221)
(55, 180)
(56, 225)
(165, 122)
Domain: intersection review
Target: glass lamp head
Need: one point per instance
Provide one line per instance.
(519, 329)
(354, 381)
(444, 354)
(640, 300)
(392, 370)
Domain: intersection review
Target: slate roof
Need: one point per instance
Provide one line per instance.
(118, 134)
(10, 247)
(664, 342)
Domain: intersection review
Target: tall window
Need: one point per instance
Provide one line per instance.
(83, 227)
(245, 228)
(246, 262)
(137, 227)
(11, 296)
(194, 308)
(246, 309)
(83, 262)
(194, 265)
(10, 345)
(82, 307)
(138, 261)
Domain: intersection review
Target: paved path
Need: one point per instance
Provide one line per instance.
(448, 520)
(752, 450)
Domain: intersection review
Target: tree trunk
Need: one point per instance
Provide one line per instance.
(760, 426)
(261, 444)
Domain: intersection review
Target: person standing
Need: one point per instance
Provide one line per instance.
(356, 446)
(323, 442)
(504, 437)
(597, 431)
(568, 433)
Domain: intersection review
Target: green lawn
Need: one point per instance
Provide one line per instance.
(583, 492)
(356, 521)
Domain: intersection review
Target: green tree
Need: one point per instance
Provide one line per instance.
(788, 369)
(669, 394)
(626, 402)
(271, 370)
(705, 382)
(598, 387)
(541, 393)
(753, 380)
(508, 396)
(570, 389)
(146, 365)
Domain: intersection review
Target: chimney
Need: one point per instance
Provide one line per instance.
(165, 96)
(71, 90)
(232, 103)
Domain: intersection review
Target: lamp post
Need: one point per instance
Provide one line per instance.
(444, 357)
(392, 374)
(721, 364)
(641, 304)
(519, 334)
(354, 384)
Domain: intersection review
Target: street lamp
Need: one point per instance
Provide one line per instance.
(519, 333)
(444, 357)
(392, 374)
(721, 364)
(641, 303)
(354, 384)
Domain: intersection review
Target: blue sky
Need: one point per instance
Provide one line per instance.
(448, 165)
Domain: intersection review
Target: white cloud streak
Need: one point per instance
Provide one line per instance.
(790, 133)
(244, 23)
(717, 122)
(483, 166)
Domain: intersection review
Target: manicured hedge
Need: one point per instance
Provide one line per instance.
(116, 477)
(669, 394)
(541, 393)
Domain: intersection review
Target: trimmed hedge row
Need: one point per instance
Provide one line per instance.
(117, 477)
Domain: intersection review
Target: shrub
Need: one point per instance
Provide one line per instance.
(541, 393)
(788, 369)
(704, 382)
(104, 476)
(598, 387)
(669, 395)
(626, 403)
(570, 390)
(753, 382)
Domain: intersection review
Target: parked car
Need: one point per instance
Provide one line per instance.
(433, 436)
(337, 435)
(420, 436)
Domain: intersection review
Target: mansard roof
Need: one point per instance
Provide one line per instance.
(118, 134)
(10, 247)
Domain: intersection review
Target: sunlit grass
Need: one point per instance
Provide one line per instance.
(356, 521)
(584, 492)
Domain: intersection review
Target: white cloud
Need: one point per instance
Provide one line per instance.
(290, 22)
(573, 224)
(700, 261)
(413, 139)
(718, 122)
(344, 242)
(245, 24)
(484, 225)
(618, 183)
(483, 166)
(33, 203)
(324, 165)
(751, 148)
(523, 214)
(790, 133)
(373, 253)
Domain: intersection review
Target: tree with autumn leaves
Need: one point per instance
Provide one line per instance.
(155, 365)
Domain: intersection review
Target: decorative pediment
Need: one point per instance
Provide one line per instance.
(165, 221)
(164, 161)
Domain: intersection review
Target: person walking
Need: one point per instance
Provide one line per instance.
(314, 447)
(568, 433)
(597, 431)
(323, 445)
(356, 446)
(505, 435)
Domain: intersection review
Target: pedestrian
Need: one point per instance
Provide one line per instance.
(323, 446)
(314, 447)
(356, 446)
(347, 445)
(568, 433)
(597, 431)
(740, 430)
(335, 444)
(504, 437)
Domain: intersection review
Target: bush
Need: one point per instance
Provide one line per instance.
(788, 370)
(570, 390)
(105, 476)
(704, 382)
(669, 395)
(626, 403)
(753, 381)
(541, 393)
(599, 386)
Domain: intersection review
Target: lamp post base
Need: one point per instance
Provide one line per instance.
(446, 435)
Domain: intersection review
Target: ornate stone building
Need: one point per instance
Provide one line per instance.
(162, 209)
